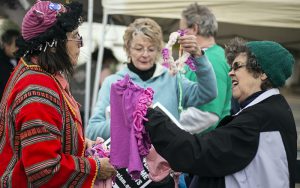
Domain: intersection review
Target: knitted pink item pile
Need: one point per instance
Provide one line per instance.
(99, 151)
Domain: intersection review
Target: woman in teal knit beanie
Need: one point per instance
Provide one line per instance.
(256, 147)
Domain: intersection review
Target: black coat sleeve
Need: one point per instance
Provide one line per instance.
(223, 151)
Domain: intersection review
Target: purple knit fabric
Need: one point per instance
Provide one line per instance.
(129, 140)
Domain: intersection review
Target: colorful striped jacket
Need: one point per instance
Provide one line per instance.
(41, 136)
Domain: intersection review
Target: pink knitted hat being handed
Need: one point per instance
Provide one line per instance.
(39, 18)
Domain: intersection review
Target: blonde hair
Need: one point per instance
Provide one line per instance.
(148, 28)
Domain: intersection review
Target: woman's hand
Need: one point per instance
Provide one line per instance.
(189, 44)
(106, 169)
(89, 143)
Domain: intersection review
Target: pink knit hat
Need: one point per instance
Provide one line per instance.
(39, 18)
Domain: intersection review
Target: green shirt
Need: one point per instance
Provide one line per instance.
(222, 103)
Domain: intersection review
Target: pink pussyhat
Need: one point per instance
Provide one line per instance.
(41, 16)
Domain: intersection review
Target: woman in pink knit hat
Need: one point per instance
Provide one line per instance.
(41, 134)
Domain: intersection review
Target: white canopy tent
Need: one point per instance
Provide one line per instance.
(277, 20)
(113, 41)
(276, 13)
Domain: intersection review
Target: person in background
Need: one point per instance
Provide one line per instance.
(7, 56)
(199, 21)
(109, 65)
(256, 147)
(143, 44)
(41, 135)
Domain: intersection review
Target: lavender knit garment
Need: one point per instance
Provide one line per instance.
(129, 140)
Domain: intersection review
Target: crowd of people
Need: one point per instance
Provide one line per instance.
(236, 129)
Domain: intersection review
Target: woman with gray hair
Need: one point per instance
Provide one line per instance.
(199, 21)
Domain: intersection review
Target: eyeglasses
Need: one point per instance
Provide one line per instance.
(236, 66)
(78, 40)
(141, 50)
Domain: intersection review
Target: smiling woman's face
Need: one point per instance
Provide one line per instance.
(244, 83)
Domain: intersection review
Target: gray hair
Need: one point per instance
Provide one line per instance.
(203, 18)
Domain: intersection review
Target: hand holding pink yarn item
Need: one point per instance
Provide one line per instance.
(175, 66)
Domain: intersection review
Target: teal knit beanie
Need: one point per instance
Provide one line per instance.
(276, 61)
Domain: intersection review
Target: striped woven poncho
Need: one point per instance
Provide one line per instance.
(41, 137)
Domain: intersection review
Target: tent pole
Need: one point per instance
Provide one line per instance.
(88, 63)
(99, 59)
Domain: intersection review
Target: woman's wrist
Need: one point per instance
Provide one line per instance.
(98, 163)
(198, 53)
